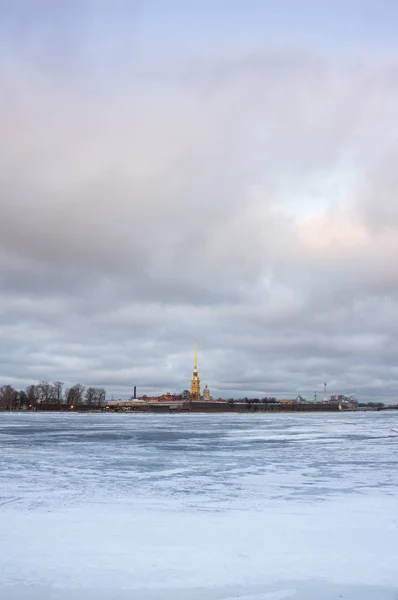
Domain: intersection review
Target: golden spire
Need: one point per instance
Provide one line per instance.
(195, 381)
(195, 363)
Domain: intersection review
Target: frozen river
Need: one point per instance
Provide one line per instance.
(199, 507)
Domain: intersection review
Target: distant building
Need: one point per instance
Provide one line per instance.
(206, 393)
(344, 401)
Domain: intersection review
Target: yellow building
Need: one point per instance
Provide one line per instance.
(195, 381)
(206, 393)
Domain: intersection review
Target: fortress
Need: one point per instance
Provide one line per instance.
(193, 400)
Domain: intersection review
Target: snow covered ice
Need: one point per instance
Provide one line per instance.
(199, 507)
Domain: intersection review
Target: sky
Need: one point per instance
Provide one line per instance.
(218, 170)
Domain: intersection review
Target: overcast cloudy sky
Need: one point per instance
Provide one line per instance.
(218, 169)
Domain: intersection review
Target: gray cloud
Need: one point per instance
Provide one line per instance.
(250, 204)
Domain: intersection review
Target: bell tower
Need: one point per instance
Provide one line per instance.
(195, 381)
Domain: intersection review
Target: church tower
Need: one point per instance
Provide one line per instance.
(195, 381)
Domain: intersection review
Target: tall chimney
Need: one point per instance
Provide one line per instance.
(135, 392)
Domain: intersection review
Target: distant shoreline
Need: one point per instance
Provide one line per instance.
(203, 407)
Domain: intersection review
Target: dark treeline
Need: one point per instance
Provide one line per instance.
(51, 396)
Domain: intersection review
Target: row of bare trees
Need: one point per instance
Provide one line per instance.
(51, 396)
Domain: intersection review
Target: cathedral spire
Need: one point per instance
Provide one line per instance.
(195, 362)
(195, 381)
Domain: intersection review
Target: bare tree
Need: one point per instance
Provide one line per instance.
(22, 399)
(74, 395)
(95, 396)
(58, 387)
(91, 395)
(45, 393)
(32, 394)
(8, 397)
(101, 396)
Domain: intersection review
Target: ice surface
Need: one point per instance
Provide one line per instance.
(199, 507)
